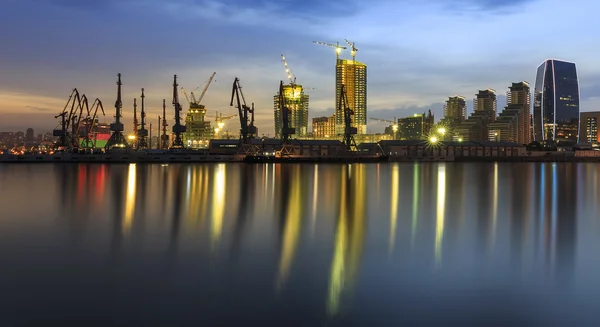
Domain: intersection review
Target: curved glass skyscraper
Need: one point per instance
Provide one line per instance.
(556, 102)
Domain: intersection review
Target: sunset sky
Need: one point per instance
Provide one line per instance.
(418, 52)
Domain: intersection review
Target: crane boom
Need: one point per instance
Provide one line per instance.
(338, 48)
(353, 49)
(186, 96)
(206, 87)
(289, 73)
(384, 120)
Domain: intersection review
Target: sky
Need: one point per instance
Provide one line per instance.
(418, 52)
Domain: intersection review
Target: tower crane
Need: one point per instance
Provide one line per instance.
(338, 48)
(247, 128)
(353, 49)
(286, 130)
(186, 96)
(349, 131)
(289, 73)
(220, 121)
(206, 88)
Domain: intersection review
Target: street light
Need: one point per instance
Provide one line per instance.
(433, 139)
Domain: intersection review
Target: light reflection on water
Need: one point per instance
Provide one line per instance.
(299, 244)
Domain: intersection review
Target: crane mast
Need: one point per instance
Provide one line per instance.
(349, 131)
(286, 130)
(247, 128)
(177, 128)
(143, 132)
(164, 138)
(135, 124)
(117, 140)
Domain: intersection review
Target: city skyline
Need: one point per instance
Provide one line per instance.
(86, 43)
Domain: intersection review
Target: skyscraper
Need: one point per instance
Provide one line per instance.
(513, 123)
(297, 103)
(353, 75)
(556, 102)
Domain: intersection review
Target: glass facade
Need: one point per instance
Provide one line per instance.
(556, 103)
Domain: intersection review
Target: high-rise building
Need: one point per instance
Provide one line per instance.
(588, 127)
(353, 75)
(556, 102)
(514, 122)
(476, 127)
(455, 111)
(323, 127)
(297, 103)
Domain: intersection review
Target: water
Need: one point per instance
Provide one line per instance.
(299, 245)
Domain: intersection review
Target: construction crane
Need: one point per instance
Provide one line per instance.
(353, 49)
(205, 88)
(349, 131)
(186, 96)
(142, 133)
(289, 73)
(178, 129)
(247, 128)
(338, 48)
(220, 121)
(286, 130)
(393, 124)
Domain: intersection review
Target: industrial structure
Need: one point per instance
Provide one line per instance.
(286, 129)
(247, 129)
(117, 139)
(296, 102)
(198, 130)
(323, 127)
(142, 133)
(178, 129)
(349, 130)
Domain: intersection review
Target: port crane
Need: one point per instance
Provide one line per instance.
(178, 129)
(164, 138)
(247, 128)
(135, 124)
(338, 48)
(142, 133)
(117, 140)
(90, 123)
(286, 130)
(64, 137)
(349, 131)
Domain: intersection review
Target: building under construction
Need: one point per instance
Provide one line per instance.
(297, 103)
(198, 131)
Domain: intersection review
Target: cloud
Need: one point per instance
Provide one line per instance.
(418, 53)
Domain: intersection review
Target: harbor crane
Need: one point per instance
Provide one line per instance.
(338, 48)
(247, 128)
(64, 137)
(164, 138)
(192, 101)
(135, 124)
(142, 133)
(178, 129)
(349, 131)
(89, 125)
(353, 49)
(117, 140)
(286, 130)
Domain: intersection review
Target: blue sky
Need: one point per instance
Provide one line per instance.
(418, 52)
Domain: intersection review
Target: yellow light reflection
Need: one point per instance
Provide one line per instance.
(394, 207)
(315, 199)
(440, 213)
(350, 236)
(129, 200)
(494, 205)
(218, 203)
(415, 205)
(291, 231)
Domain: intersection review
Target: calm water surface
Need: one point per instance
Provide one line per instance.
(299, 245)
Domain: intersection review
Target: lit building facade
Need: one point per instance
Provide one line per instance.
(514, 122)
(416, 127)
(323, 127)
(197, 130)
(556, 102)
(476, 127)
(588, 127)
(353, 75)
(297, 102)
(455, 111)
